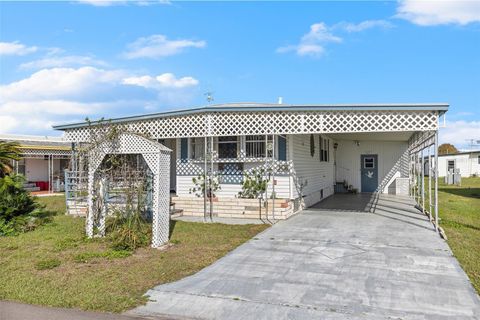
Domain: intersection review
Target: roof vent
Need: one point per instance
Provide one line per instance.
(280, 100)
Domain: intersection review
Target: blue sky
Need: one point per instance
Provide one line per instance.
(62, 61)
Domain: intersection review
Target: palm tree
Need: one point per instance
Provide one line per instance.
(8, 151)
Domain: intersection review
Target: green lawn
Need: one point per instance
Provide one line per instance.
(459, 212)
(56, 266)
(460, 217)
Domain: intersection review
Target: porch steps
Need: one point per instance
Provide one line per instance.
(30, 187)
(236, 208)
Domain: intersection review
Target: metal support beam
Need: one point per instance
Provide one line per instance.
(205, 181)
(429, 181)
(436, 180)
(273, 177)
(423, 180)
(210, 181)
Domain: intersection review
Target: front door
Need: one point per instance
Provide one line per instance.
(369, 172)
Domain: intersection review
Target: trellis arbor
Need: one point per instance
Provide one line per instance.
(307, 152)
(157, 158)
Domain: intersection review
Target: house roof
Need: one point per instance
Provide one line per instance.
(255, 107)
(459, 153)
(37, 142)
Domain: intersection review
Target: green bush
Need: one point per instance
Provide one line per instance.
(129, 232)
(18, 210)
(47, 264)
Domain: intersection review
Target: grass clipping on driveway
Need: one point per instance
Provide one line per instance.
(56, 265)
(459, 210)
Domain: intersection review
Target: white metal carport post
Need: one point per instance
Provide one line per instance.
(436, 180)
(430, 181)
(423, 180)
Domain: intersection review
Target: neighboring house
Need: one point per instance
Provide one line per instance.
(317, 149)
(44, 160)
(467, 162)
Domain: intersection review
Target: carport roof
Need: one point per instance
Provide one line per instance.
(256, 107)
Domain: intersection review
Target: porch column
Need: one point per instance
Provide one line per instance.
(423, 180)
(205, 181)
(436, 180)
(429, 182)
(210, 181)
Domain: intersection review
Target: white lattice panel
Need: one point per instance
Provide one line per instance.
(157, 158)
(25, 152)
(279, 122)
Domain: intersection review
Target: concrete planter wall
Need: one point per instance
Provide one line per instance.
(236, 208)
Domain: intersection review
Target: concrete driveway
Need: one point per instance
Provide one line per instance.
(378, 259)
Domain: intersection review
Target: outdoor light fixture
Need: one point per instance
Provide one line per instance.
(357, 143)
(335, 146)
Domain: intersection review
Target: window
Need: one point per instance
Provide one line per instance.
(227, 147)
(324, 149)
(451, 165)
(368, 163)
(478, 159)
(255, 146)
(197, 148)
(21, 166)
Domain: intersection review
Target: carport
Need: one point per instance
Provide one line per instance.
(380, 261)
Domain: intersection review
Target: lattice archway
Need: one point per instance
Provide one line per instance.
(157, 157)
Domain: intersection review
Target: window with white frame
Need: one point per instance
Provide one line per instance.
(197, 148)
(257, 146)
(324, 149)
(227, 147)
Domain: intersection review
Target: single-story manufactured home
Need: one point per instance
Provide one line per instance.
(305, 152)
(468, 163)
(43, 161)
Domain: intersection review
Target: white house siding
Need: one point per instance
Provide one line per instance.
(467, 163)
(392, 161)
(310, 171)
(227, 190)
(36, 169)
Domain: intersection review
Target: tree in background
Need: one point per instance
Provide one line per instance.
(8, 152)
(447, 148)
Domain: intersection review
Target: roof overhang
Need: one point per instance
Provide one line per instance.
(263, 107)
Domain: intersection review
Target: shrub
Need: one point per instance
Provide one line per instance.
(18, 210)
(254, 184)
(47, 264)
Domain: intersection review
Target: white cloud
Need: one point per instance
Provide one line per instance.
(158, 46)
(314, 42)
(59, 82)
(15, 49)
(63, 95)
(108, 3)
(165, 80)
(62, 61)
(456, 132)
(436, 12)
(102, 3)
(362, 26)
(7, 123)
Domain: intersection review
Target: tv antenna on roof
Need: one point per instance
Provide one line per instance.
(209, 96)
(473, 143)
